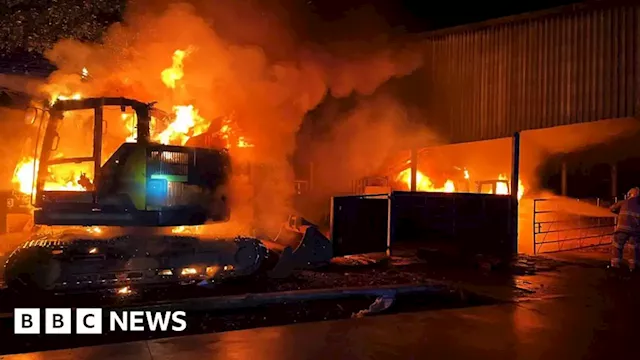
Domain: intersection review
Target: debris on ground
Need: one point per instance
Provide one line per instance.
(360, 260)
(381, 304)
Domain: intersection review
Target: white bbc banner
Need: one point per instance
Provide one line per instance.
(94, 321)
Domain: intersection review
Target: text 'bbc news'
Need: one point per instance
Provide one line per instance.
(94, 321)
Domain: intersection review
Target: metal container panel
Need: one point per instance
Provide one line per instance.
(577, 65)
(459, 223)
(359, 224)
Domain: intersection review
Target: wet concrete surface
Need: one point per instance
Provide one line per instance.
(567, 328)
(562, 309)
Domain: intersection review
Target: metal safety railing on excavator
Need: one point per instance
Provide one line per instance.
(555, 230)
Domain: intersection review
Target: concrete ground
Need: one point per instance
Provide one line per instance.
(579, 311)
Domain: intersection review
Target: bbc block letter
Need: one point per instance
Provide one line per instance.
(89, 321)
(26, 321)
(57, 321)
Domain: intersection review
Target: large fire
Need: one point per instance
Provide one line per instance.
(170, 76)
(186, 122)
(65, 177)
(424, 183)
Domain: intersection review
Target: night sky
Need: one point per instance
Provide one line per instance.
(22, 21)
(420, 16)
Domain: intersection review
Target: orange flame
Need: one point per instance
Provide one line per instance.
(63, 177)
(56, 97)
(424, 183)
(24, 175)
(183, 126)
(170, 76)
(186, 123)
(503, 189)
(243, 143)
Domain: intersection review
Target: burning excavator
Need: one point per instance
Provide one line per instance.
(110, 232)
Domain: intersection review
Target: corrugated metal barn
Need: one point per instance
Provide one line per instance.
(564, 66)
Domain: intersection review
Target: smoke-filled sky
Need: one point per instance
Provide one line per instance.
(267, 62)
(273, 63)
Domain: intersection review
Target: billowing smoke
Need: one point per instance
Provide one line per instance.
(362, 140)
(253, 59)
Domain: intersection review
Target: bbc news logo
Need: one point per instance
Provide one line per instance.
(91, 321)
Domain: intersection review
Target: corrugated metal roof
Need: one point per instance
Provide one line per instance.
(490, 80)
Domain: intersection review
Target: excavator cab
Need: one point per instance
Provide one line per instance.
(142, 183)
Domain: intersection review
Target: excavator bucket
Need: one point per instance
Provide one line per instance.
(299, 246)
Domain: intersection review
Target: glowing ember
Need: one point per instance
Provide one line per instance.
(124, 290)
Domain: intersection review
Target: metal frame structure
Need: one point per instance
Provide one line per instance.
(569, 232)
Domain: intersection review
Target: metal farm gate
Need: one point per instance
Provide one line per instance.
(555, 230)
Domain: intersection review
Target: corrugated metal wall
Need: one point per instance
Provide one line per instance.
(539, 72)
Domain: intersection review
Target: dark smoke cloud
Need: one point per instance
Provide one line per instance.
(362, 140)
(264, 61)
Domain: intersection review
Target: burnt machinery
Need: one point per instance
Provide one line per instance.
(141, 184)
(139, 191)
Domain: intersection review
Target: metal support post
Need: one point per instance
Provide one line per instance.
(414, 169)
(390, 223)
(97, 144)
(515, 177)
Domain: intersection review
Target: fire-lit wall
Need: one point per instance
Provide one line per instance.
(565, 66)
